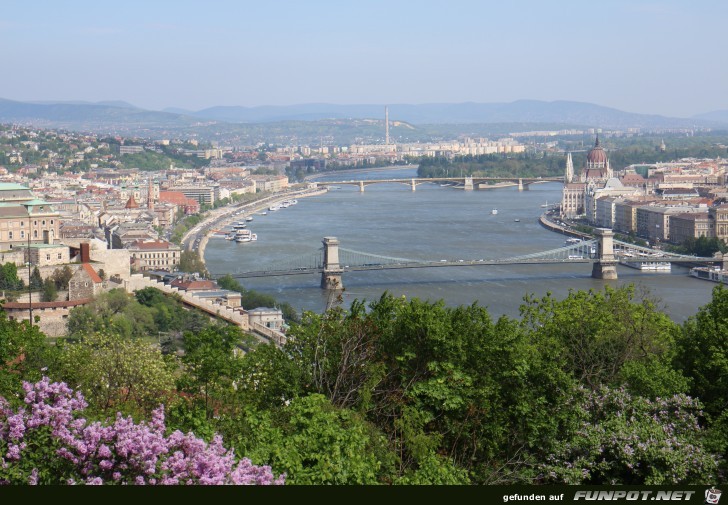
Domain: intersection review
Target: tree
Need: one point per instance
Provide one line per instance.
(116, 373)
(61, 277)
(23, 352)
(631, 440)
(211, 364)
(9, 277)
(313, 443)
(595, 334)
(190, 261)
(50, 293)
(703, 352)
(36, 281)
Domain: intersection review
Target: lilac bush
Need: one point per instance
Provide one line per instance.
(47, 442)
(626, 439)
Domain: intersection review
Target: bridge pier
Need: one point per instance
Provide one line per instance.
(520, 184)
(361, 186)
(606, 266)
(331, 274)
(468, 184)
(414, 186)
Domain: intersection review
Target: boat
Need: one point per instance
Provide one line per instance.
(544, 205)
(274, 207)
(713, 274)
(572, 241)
(517, 220)
(264, 213)
(648, 266)
(249, 218)
(494, 211)
(245, 236)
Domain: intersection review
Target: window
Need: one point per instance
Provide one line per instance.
(22, 223)
(60, 256)
(43, 222)
(35, 223)
(35, 233)
(48, 257)
(10, 236)
(51, 222)
(22, 234)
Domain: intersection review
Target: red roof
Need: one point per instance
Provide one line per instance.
(91, 273)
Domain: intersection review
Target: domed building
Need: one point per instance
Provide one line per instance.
(597, 165)
(594, 174)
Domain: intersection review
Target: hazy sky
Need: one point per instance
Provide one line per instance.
(662, 57)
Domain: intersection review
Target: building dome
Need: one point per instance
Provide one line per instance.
(597, 154)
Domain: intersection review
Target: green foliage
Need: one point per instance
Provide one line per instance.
(9, 279)
(444, 385)
(703, 352)
(23, 352)
(211, 363)
(702, 246)
(50, 293)
(191, 262)
(61, 277)
(631, 440)
(36, 281)
(116, 373)
(313, 442)
(595, 334)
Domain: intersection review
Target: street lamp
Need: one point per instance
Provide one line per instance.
(30, 292)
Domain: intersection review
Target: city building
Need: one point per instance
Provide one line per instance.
(25, 218)
(154, 255)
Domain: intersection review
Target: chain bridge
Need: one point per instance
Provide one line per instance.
(603, 252)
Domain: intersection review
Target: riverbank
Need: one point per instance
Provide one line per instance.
(231, 214)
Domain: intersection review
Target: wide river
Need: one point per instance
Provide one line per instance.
(431, 223)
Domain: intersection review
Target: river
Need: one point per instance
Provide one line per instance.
(431, 223)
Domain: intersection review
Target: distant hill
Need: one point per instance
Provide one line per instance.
(89, 116)
(521, 111)
(716, 115)
(309, 123)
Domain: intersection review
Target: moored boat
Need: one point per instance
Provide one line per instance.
(648, 266)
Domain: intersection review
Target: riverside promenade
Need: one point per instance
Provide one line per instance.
(196, 239)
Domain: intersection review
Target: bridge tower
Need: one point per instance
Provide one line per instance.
(520, 184)
(414, 185)
(331, 274)
(468, 184)
(606, 266)
(361, 186)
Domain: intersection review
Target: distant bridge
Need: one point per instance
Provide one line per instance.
(467, 183)
(331, 261)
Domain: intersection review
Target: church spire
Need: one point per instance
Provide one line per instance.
(596, 144)
(569, 175)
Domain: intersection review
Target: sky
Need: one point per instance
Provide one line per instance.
(657, 57)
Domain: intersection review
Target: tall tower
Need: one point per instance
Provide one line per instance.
(386, 125)
(150, 194)
(569, 176)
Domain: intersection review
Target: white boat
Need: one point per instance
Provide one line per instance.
(274, 207)
(249, 218)
(713, 274)
(494, 211)
(648, 266)
(544, 205)
(572, 241)
(517, 220)
(245, 236)
(264, 213)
